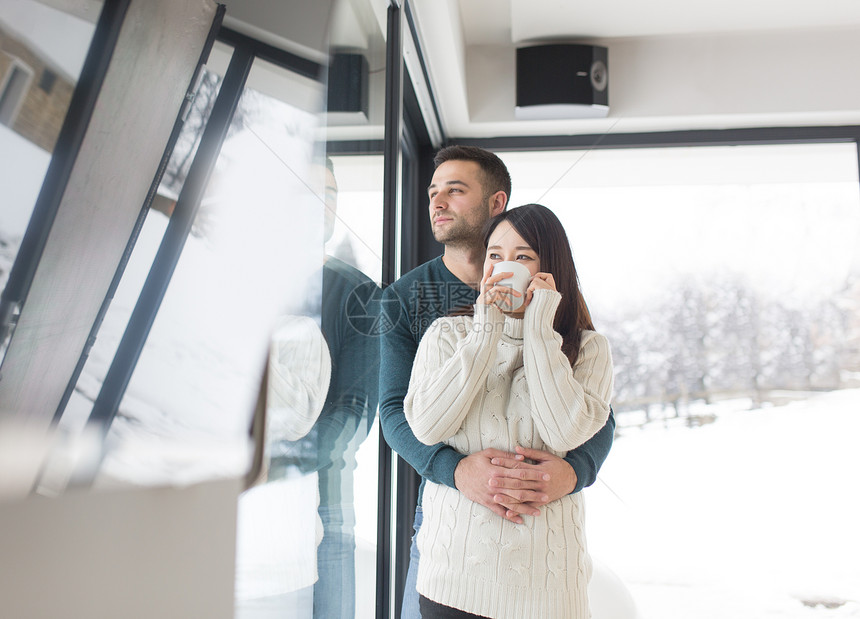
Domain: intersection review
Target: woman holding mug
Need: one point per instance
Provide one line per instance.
(539, 377)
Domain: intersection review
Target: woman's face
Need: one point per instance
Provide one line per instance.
(506, 244)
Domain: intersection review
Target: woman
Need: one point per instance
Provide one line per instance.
(539, 377)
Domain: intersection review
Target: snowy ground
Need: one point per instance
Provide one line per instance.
(753, 515)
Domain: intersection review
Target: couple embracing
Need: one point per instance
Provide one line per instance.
(500, 399)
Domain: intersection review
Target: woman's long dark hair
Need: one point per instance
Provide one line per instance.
(544, 233)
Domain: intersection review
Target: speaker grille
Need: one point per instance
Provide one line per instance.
(561, 77)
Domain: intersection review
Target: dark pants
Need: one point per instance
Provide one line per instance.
(434, 610)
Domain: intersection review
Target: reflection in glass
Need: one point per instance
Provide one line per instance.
(254, 257)
(136, 270)
(350, 320)
(313, 468)
(254, 265)
(728, 281)
(347, 433)
(42, 50)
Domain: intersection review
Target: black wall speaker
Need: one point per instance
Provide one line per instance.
(562, 80)
(347, 83)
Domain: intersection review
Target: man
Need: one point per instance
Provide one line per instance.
(470, 185)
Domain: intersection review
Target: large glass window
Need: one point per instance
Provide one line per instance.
(272, 299)
(286, 240)
(101, 355)
(251, 262)
(728, 282)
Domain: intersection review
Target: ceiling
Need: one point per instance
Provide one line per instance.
(512, 21)
(455, 34)
(672, 64)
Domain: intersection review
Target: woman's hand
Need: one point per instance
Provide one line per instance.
(491, 293)
(539, 281)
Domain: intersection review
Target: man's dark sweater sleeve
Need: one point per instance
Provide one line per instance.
(587, 459)
(397, 352)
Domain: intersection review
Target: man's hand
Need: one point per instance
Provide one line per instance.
(509, 486)
(529, 485)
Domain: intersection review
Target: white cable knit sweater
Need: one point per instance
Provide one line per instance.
(492, 381)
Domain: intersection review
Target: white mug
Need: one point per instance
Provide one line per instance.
(519, 281)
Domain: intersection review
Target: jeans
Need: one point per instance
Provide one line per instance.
(334, 592)
(410, 609)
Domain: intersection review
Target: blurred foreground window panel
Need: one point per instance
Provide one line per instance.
(42, 50)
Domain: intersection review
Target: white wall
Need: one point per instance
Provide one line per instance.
(136, 553)
(687, 82)
(297, 26)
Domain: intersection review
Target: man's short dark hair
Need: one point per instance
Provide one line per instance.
(495, 173)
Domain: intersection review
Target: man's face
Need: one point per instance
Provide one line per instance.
(458, 209)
